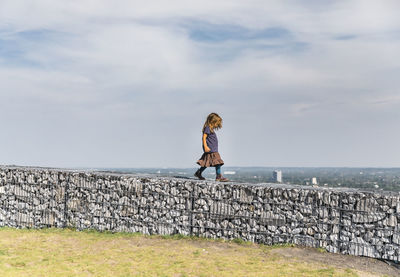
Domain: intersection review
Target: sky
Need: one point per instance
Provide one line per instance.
(96, 83)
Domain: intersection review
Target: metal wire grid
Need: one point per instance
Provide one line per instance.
(82, 202)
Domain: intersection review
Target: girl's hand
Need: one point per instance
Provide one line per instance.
(206, 148)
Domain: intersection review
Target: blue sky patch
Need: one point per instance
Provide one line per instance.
(224, 42)
(15, 46)
(345, 37)
(12, 52)
(36, 35)
(209, 32)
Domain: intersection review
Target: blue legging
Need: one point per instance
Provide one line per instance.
(217, 169)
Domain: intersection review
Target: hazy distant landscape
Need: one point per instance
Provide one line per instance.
(387, 179)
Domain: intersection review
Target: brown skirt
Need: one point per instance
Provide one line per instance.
(210, 159)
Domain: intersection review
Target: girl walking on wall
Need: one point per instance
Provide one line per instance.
(211, 157)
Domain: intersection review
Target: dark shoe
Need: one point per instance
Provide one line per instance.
(221, 178)
(198, 175)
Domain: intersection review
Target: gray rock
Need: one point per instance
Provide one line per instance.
(351, 222)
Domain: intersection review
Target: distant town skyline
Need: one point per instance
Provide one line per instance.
(122, 84)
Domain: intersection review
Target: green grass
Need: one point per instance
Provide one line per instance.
(66, 252)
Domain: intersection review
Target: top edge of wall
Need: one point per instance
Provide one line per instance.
(241, 184)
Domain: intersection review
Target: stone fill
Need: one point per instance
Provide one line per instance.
(346, 221)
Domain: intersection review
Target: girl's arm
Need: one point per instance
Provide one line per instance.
(206, 148)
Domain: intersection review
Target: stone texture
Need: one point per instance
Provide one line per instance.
(344, 221)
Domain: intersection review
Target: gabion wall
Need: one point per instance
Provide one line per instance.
(339, 220)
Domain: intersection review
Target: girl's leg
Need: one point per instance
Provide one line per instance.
(199, 171)
(218, 170)
(219, 175)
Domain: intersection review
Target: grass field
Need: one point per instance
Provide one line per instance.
(63, 252)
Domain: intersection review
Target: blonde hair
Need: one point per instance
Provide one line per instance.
(213, 121)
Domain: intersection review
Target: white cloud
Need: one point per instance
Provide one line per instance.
(133, 68)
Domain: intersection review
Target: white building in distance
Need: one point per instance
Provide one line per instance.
(277, 174)
(314, 181)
